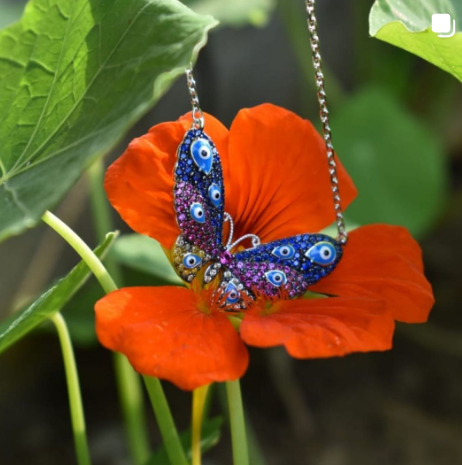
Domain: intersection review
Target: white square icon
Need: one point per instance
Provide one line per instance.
(441, 23)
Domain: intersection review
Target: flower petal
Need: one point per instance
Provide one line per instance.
(318, 328)
(277, 179)
(139, 184)
(383, 262)
(164, 334)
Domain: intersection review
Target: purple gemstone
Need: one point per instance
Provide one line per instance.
(226, 258)
(240, 265)
(182, 217)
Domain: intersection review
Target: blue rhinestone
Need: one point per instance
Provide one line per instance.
(187, 141)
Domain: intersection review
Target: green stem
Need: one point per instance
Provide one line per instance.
(157, 396)
(101, 214)
(132, 404)
(165, 421)
(128, 382)
(237, 422)
(75, 398)
(199, 399)
(87, 255)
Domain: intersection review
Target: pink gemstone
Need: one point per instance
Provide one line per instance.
(226, 258)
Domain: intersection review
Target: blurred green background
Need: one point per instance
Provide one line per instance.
(396, 123)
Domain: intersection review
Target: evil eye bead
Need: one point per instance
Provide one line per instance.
(276, 278)
(284, 251)
(191, 260)
(202, 154)
(215, 194)
(322, 253)
(232, 294)
(197, 212)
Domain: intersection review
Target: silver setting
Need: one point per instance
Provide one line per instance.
(197, 115)
(324, 115)
(255, 241)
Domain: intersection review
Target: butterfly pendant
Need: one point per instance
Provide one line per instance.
(283, 267)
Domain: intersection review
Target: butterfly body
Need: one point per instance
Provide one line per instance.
(287, 266)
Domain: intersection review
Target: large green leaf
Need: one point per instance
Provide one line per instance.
(236, 12)
(396, 162)
(407, 24)
(21, 323)
(74, 75)
(145, 254)
(211, 431)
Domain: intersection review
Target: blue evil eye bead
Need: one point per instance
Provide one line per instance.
(191, 260)
(284, 251)
(202, 155)
(197, 212)
(232, 293)
(276, 278)
(322, 253)
(215, 194)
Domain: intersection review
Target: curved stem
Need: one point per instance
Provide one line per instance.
(156, 393)
(92, 261)
(199, 397)
(75, 398)
(165, 421)
(128, 382)
(237, 422)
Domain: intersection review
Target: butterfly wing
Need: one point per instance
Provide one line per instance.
(199, 204)
(284, 267)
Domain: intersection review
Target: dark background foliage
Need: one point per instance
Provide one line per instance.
(403, 407)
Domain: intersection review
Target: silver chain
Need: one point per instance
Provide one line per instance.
(324, 115)
(197, 115)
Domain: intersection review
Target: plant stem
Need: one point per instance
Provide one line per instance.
(165, 421)
(237, 422)
(73, 387)
(157, 396)
(199, 398)
(101, 214)
(132, 404)
(128, 382)
(87, 255)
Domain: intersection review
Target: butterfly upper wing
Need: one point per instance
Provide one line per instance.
(286, 266)
(199, 204)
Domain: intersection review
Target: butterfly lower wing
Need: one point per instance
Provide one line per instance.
(283, 268)
(199, 204)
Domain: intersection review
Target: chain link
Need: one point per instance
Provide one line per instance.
(324, 115)
(197, 115)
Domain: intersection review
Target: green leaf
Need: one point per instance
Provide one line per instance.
(237, 12)
(20, 323)
(74, 75)
(397, 163)
(407, 24)
(145, 254)
(211, 432)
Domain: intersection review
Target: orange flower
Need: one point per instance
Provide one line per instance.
(277, 185)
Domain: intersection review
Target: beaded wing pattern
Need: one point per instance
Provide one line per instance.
(283, 267)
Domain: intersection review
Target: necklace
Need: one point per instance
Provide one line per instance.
(282, 268)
